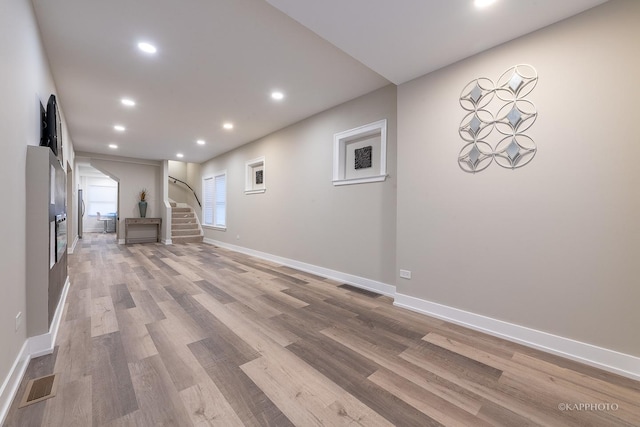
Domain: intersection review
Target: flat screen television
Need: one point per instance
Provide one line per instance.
(43, 125)
(51, 128)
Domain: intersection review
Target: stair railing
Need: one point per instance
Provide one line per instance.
(175, 180)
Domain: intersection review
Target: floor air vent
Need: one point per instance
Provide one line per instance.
(360, 291)
(39, 389)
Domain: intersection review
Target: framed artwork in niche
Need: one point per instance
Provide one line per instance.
(255, 176)
(363, 157)
(360, 154)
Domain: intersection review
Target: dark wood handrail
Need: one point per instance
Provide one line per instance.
(192, 190)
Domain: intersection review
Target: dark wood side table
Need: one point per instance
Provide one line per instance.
(157, 222)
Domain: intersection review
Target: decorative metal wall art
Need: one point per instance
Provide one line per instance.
(498, 115)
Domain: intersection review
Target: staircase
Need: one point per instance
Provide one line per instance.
(184, 225)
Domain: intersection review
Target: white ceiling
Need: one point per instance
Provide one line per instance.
(219, 60)
(405, 39)
(84, 168)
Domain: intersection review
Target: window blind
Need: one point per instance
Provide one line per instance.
(101, 198)
(220, 216)
(207, 213)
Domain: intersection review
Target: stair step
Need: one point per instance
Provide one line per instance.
(186, 239)
(173, 204)
(183, 215)
(183, 221)
(184, 225)
(194, 232)
(188, 226)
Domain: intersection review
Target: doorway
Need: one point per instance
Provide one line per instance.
(100, 196)
(71, 208)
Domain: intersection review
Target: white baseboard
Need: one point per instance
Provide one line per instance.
(94, 230)
(608, 360)
(602, 358)
(360, 282)
(12, 382)
(43, 344)
(33, 347)
(167, 242)
(121, 241)
(72, 248)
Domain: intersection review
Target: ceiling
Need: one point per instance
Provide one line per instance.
(405, 39)
(85, 169)
(219, 60)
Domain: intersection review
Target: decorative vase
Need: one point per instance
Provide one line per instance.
(143, 209)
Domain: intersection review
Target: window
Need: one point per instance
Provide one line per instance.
(207, 208)
(101, 196)
(214, 210)
(220, 214)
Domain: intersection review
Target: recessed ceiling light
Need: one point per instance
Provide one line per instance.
(113, 146)
(483, 3)
(179, 155)
(277, 95)
(119, 128)
(201, 142)
(147, 47)
(228, 126)
(128, 102)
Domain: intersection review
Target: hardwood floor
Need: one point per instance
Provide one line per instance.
(197, 335)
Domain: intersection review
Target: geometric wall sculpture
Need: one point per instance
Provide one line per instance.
(497, 116)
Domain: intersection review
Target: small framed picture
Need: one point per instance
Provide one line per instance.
(360, 154)
(255, 182)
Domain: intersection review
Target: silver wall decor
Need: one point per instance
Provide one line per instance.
(498, 115)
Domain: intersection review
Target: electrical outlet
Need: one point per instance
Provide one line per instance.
(405, 274)
(18, 320)
(238, 237)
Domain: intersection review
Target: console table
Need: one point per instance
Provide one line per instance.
(156, 222)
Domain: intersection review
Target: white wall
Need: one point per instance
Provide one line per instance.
(178, 191)
(302, 215)
(25, 80)
(69, 157)
(553, 246)
(189, 173)
(133, 176)
(194, 178)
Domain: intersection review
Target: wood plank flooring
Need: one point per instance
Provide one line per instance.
(192, 334)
